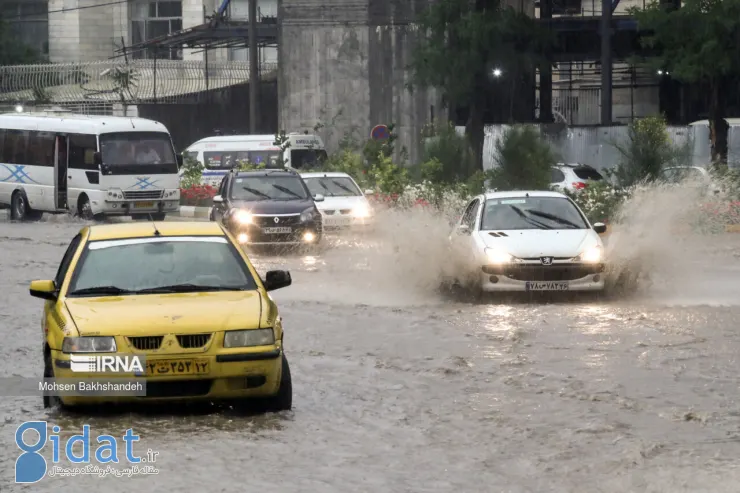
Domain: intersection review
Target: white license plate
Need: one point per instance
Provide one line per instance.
(546, 286)
(343, 221)
(277, 231)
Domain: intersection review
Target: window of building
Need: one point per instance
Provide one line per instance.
(29, 21)
(150, 20)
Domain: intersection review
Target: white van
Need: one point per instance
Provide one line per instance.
(220, 154)
(93, 166)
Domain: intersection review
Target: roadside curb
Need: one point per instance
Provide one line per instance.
(732, 228)
(192, 211)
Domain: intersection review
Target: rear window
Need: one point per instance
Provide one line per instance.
(587, 174)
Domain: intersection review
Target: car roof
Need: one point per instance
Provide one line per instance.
(523, 193)
(326, 174)
(142, 229)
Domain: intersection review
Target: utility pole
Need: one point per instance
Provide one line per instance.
(254, 76)
(606, 62)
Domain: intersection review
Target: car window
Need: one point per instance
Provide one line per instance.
(222, 188)
(586, 173)
(144, 263)
(531, 213)
(337, 186)
(556, 176)
(470, 214)
(66, 260)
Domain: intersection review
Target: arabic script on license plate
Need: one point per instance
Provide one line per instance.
(546, 286)
(272, 231)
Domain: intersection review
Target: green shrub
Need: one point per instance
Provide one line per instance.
(443, 145)
(600, 201)
(524, 159)
(192, 172)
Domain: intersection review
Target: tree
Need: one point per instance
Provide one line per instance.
(697, 43)
(462, 43)
(11, 51)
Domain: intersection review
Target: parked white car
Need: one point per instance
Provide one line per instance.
(694, 175)
(573, 176)
(530, 241)
(345, 205)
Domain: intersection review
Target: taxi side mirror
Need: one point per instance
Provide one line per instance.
(46, 290)
(276, 279)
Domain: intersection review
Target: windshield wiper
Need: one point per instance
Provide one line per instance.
(188, 288)
(346, 189)
(323, 185)
(529, 219)
(257, 193)
(552, 217)
(287, 190)
(110, 290)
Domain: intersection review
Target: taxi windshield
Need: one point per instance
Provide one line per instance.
(160, 265)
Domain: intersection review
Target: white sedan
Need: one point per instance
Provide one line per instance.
(344, 205)
(530, 241)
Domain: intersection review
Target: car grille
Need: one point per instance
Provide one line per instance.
(192, 341)
(178, 388)
(269, 221)
(148, 343)
(143, 194)
(561, 272)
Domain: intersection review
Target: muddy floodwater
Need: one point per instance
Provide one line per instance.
(398, 389)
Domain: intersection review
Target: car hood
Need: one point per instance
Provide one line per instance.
(334, 203)
(162, 314)
(540, 242)
(274, 206)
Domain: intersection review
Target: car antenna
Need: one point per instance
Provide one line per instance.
(154, 225)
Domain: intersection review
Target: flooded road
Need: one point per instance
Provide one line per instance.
(397, 389)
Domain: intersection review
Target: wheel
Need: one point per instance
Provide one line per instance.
(84, 210)
(51, 401)
(20, 210)
(283, 400)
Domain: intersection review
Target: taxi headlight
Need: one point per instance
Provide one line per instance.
(591, 255)
(361, 211)
(89, 345)
(243, 217)
(248, 338)
(498, 256)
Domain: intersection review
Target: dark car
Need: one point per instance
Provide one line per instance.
(268, 207)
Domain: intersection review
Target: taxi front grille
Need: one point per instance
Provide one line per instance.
(148, 343)
(142, 194)
(192, 341)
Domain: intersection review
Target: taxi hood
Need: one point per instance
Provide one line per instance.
(162, 314)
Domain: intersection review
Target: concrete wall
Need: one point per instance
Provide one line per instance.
(350, 58)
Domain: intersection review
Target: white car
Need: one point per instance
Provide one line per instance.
(344, 205)
(530, 241)
(573, 176)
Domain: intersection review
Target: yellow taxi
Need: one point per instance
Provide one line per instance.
(182, 299)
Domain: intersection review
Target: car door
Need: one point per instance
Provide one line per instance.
(219, 210)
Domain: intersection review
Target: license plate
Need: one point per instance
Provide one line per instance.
(273, 231)
(144, 205)
(344, 221)
(546, 286)
(177, 367)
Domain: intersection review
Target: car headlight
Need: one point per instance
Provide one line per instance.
(591, 255)
(498, 256)
(243, 217)
(308, 214)
(250, 337)
(361, 211)
(96, 344)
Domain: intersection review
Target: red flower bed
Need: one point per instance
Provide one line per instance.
(727, 212)
(198, 195)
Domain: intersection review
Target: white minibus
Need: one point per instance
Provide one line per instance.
(222, 153)
(91, 166)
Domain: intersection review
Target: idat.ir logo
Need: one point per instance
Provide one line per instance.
(32, 436)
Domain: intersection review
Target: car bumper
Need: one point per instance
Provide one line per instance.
(348, 223)
(233, 375)
(305, 234)
(127, 208)
(558, 277)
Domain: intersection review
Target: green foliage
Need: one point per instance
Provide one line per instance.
(600, 201)
(447, 153)
(388, 177)
(192, 172)
(13, 52)
(647, 151)
(524, 160)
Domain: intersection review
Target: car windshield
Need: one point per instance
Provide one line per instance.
(268, 187)
(137, 148)
(338, 186)
(306, 158)
(186, 263)
(531, 213)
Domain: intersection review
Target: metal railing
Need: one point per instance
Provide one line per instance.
(116, 81)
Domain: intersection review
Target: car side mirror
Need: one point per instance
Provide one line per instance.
(463, 229)
(46, 290)
(318, 198)
(600, 228)
(217, 199)
(180, 161)
(276, 279)
(97, 159)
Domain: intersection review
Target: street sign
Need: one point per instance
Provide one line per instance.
(380, 133)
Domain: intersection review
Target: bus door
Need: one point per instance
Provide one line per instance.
(61, 156)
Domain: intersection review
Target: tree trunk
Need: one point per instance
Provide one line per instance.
(718, 127)
(474, 128)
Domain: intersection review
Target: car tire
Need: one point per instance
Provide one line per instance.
(20, 210)
(84, 210)
(51, 401)
(283, 400)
